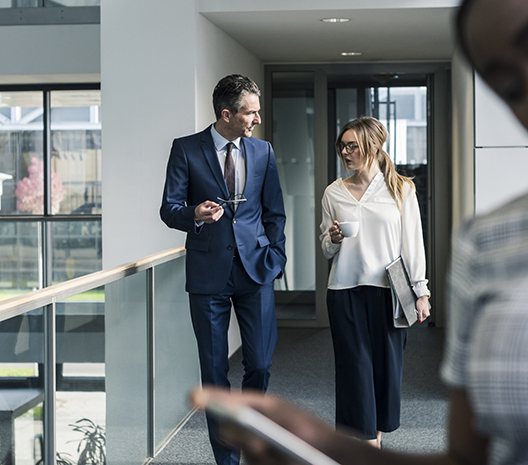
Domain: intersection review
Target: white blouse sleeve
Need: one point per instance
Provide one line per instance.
(329, 248)
(413, 251)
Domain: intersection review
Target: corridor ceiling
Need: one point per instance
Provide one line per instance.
(402, 34)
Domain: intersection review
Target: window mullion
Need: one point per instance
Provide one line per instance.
(46, 239)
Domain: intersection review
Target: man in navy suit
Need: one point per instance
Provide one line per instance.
(222, 188)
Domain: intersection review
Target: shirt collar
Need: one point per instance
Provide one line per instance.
(220, 141)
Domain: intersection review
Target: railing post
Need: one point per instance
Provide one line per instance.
(50, 360)
(151, 370)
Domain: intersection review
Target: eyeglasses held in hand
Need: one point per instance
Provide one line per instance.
(238, 198)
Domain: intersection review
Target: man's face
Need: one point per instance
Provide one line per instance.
(497, 36)
(243, 123)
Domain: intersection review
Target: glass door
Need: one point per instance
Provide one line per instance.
(306, 109)
(403, 111)
(293, 126)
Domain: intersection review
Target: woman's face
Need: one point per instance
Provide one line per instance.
(350, 153)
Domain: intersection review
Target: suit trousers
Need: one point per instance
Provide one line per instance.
(368, 353)
(254, 306)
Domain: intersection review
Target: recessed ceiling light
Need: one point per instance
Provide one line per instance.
(350, 54)
(335, 20)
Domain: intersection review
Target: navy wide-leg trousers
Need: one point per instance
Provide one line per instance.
(368, 353)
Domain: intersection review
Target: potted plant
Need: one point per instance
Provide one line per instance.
(92, 446)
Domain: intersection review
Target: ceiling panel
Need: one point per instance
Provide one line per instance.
(409, 34)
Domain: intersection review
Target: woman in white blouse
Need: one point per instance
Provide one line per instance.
(368, 349)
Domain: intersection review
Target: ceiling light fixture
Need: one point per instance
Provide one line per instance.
(335, 20)
(350, 54)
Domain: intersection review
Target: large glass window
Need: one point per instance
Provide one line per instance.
(47, 3)
(50, 231)
(21, 153)
(50, 195)
(76, 152)
(403, 110)
(293, 142)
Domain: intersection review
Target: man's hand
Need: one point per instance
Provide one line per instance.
(208, 212)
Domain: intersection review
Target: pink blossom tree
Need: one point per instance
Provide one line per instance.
(30, 190)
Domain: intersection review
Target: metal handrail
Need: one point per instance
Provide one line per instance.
(15, 306)
(52, 218)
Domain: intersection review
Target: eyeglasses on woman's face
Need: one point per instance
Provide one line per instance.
(350, 148)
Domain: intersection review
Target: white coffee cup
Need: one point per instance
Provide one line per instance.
(349, 228)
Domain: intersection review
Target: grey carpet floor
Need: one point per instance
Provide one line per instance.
(303, 372)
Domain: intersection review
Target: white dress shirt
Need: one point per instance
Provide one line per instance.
(239, 160)
(384, 234)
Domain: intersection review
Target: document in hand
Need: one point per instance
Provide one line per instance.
(403, 296)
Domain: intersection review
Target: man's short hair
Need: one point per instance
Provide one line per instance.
(230, 91)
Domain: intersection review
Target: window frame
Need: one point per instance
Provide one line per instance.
(44, 221)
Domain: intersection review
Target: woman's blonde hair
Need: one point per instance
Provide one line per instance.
(371, 135)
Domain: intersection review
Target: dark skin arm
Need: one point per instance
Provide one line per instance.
(466, 446)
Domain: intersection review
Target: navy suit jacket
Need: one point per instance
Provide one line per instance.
(194, 175)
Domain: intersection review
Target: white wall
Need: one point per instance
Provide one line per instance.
(159, 67)
(500, 174)
(463, 124)
(219, 55)
(158, 70)
(496, 126)
(37, 53)
(490, 154)
(148, 87)
(501, 153)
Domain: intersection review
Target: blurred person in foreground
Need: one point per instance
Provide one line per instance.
(486, 359)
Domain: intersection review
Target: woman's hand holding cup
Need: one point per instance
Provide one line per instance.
(335, 233)
(338, 231)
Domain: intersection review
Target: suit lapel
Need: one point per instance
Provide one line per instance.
(249, 151)
(211, 157)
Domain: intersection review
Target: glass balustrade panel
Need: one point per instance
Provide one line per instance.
(176, 356)
(126, 369)
(80, 396)
(22, 389)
